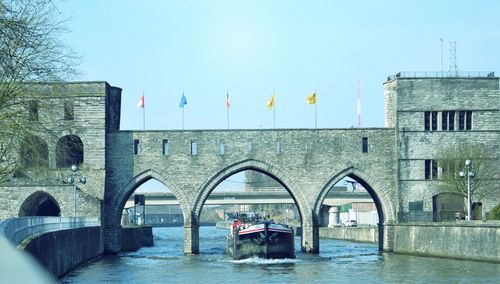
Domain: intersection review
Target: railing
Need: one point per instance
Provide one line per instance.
(18, 229)
(437, 74)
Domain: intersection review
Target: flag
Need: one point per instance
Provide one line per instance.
(311, 99)
(228, 103)
(140, 103)
(270, 102)
(183, 101)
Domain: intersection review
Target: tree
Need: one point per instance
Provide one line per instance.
(484, 166)
(31, 50)
(494, 213)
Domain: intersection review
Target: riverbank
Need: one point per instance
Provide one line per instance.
(356, 234)
(62, 251)
(338, 261)
(467, 240)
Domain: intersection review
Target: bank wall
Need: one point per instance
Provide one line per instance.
(357, 234)
(61, 251)
(133, 238)
(463, 240)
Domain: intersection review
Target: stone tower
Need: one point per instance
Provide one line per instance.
(69, 123)
(430, 113)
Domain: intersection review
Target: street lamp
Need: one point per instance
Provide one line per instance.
(468, 172)
(71, 180)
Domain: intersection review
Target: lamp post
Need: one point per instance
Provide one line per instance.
(468, 172)
(71, 180)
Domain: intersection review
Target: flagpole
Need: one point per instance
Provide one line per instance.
(316, 110)
(441, 41)
(143, 112)
(182, 104)
(316, 115)
(274, 117)
(227, 107)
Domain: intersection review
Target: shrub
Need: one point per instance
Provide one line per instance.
(494, 214)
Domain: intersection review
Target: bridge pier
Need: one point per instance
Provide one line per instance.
(191, 238)
(310, 239)
(112, 239)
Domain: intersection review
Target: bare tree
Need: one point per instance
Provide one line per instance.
(484, 166)
(31, 50)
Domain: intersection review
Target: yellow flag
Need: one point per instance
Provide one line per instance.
(311, 99)
(270, 102)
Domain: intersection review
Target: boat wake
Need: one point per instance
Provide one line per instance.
(258, 260)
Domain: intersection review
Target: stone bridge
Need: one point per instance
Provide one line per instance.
(398, 164)
(306, 162)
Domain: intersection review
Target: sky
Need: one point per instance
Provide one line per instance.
(247, 49)
(207, 49)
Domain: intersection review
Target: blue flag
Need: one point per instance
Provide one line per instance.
(183, 101)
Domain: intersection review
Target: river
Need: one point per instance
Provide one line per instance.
(338, 262)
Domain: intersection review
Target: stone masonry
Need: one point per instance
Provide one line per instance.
(407, 99)
(388, 161)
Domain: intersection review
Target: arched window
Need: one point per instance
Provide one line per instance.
(34, 152)
(39, 204)
(69, 151)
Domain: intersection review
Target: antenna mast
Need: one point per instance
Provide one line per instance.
(453, 59)
(358, 101)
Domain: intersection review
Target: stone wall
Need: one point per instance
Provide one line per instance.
(61, 251)
(407, 99)
(357, 234)
(463, 240)
(307, 162)
(133, 238)
(96, 111)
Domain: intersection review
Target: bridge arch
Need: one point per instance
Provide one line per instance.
(39, 203)
(382, 200)
(255, 165)
(272, 171)
(114, 204)
(115, 199)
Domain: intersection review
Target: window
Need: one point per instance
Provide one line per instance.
(468, 120)
(461, 120)
(450, 167)
(444, 120)
(451, 120)
(416, 206)
(431, 169)
(430, 120)
(33, 110)
(68, 110)
(464, 120)
(278, 147)
(434, 120)
(194, 148)
(34, 152)
(448, 120)
(221, 148)
(249, 148)
(69, 151)
(137, 147)
(427, 120)
(165, 147)
(365, 145)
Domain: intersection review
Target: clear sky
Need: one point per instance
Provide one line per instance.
(250, 48)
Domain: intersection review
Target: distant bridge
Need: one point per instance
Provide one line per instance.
(333, 198)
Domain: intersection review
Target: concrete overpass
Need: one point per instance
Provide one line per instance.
(333, 198)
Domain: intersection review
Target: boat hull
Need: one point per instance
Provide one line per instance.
(261, 242)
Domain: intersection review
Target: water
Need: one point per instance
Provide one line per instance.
(338, 262)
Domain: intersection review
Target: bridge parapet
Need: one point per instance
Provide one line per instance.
(18, 229)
